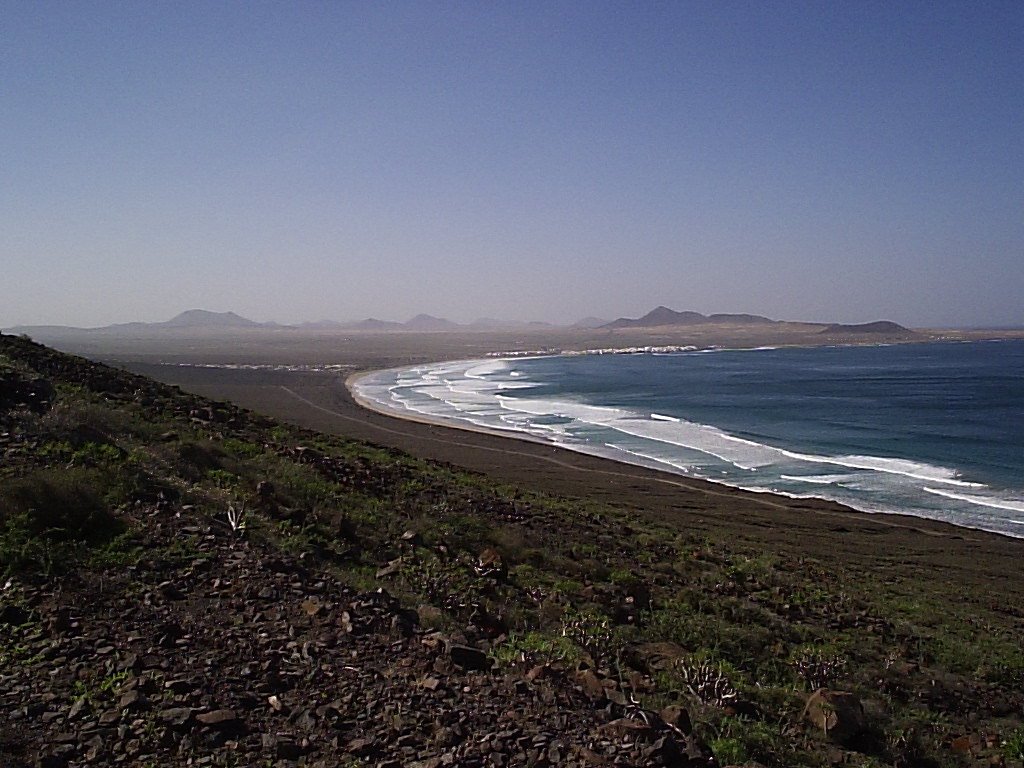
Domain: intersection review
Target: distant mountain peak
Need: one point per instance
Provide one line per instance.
(662, 316)
(375, 324)
(192, 318)
(425, 322)
(879, 328)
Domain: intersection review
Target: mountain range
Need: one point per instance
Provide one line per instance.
(205, 320)
(201, 320)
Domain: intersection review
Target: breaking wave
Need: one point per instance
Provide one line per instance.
(498, 395)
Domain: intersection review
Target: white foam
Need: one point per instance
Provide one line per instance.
(485, 369)
(816, 479)
(591, 414)
(696, 437)
(464, 395)
(734, 439)
(914, 469)
(981, 501)
(657, 459)
(481, 393)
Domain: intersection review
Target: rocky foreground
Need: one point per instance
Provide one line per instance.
(230, 652)
(186, 583)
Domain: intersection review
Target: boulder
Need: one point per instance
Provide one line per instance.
(411, 539)
(392, 568)
(678, 718)
(590, 684)
(839, 714)
(490, 564)
(177, 717)
(218, 718)
(467, 657)
(654, 657)
(627, 728)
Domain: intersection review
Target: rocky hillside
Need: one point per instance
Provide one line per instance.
(187, 583)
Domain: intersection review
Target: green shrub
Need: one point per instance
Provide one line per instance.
(729, 751)
(46, 517)
(21, 550)
(222, 478)
(91, 454)
(537, 648)
(1013, 746)
(195, 459)
(61, 504)
(241, 449)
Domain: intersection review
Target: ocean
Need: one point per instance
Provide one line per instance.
(934, 430)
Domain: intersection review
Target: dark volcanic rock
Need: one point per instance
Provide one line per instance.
(177, 717)
(467, 657)
(32, 394)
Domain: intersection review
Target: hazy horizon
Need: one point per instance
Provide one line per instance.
(542, 162)
(478, 322)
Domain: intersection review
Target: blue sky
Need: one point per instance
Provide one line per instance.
(293, 161)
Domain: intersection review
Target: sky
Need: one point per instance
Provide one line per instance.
(293, 161)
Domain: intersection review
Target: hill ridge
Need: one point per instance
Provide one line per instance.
(663, 316)
(878, 327)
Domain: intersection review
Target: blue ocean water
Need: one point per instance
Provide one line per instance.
(935, 430)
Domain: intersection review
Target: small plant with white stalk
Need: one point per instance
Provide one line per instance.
(236, 518)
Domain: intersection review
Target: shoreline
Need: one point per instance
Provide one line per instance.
(822, 531)
(365, 402)
(772, 498)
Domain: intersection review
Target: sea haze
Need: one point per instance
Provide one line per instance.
(935, 430)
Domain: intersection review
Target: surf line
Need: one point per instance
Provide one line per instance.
(750, 497)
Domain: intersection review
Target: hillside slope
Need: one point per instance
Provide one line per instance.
(189, 583)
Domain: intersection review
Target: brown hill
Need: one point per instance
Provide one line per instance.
(663, 316)
(878, 328)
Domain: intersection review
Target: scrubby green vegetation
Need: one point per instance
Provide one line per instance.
(738, 637)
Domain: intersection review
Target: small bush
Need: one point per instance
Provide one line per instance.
(1013, 746)
(195, 459)
(729, 751)
(241, 449)
(59, 504)
(21, 550)
(537, 648)
(46, 516)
